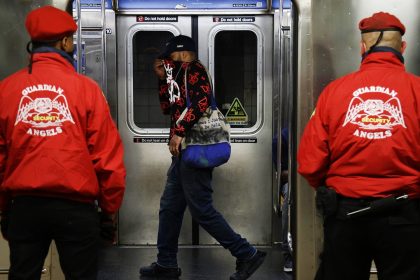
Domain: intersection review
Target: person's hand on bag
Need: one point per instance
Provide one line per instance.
(4, 224)
(108, 227)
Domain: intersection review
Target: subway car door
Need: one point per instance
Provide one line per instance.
(238, 51)
(142, 125)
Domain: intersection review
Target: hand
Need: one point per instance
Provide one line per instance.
(159, 69)
(175, 145)
(4, 224)
(108, 227)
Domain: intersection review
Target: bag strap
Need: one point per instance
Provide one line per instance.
(212, 98)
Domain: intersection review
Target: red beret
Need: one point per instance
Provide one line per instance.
(48, 23)
(381, 22)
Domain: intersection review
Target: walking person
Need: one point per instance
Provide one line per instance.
(187, 186)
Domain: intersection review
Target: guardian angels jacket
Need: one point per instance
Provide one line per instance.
(363, 139)
(57, 137)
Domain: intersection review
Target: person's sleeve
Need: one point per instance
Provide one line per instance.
(106, 150)
(313, 153)
(164, 97)
(199, 90)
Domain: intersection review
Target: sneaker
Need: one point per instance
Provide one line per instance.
(244, 269)
(288, 263)
(156, 270)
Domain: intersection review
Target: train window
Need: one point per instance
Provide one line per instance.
(235, 76)
(146, 108)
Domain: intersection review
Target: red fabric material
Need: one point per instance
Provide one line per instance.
(49, 23)
(380, 21)
(57, 137)
(363, 139)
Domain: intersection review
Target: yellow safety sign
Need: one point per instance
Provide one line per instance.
(236, 114)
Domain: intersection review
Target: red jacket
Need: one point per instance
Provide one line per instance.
(57, 137)
(363, 139)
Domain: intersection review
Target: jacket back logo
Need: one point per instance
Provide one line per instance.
(43, 106)
(373, 114)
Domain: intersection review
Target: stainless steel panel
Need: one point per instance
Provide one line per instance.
(276, 191)
(4, 256)
(13, 54)
(110, 90)
(92, 19)
(147, 163)
(328, 47)
(283, 109)
(92, 41)
(243, 186)
(13, 34)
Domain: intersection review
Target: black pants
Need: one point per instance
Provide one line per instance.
(391, 239)
(36, 221)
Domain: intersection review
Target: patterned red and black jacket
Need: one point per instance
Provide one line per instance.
(172, 94)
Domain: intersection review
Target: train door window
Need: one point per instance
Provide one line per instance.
(236, 74)
(146, 108)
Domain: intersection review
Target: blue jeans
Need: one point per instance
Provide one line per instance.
(192, 187)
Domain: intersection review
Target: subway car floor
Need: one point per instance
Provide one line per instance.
(197, 263)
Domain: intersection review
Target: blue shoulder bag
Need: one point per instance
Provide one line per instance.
(207, 143)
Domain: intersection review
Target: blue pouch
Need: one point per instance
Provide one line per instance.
(207, 143)
(206, 156)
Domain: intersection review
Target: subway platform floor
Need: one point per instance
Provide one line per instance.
(197, 263)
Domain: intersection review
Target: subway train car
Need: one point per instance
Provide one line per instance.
(269, 61)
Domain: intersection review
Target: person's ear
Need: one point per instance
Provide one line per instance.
(403, 46)
(67, 44)
(362, 47)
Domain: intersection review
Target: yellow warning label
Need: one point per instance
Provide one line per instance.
(236, 113)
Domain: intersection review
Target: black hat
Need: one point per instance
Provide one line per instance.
(178, 43)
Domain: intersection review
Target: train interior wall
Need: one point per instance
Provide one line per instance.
(326, 47)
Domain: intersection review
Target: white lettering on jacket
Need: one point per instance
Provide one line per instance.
(44, 107)
(376, 110)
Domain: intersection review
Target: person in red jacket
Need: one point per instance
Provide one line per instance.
(60, 155)
(361, 151)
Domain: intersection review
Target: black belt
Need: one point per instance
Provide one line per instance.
(332, 204)
(358, 207)
(379, 205)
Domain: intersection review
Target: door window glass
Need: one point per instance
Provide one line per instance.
(146, 107)
(235, 75)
